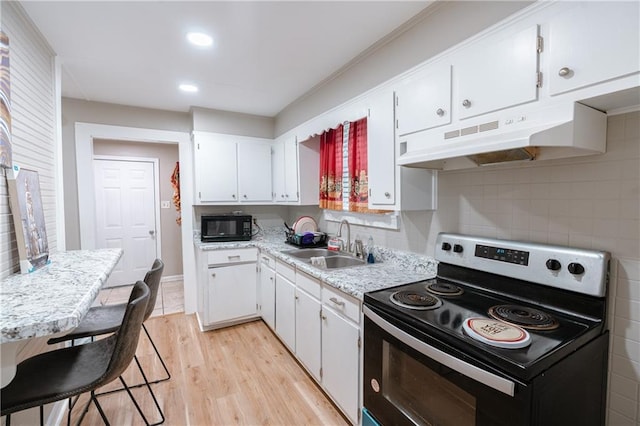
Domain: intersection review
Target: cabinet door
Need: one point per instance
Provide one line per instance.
(381, 149)
(308, 328)
(278, 167)
(291, 169)
(423, 101)
(286, 311)
(254, 171)
(340, 361)
(232, 292)
(592, 42)
(268, 296)
(497, 73)
(215, 168)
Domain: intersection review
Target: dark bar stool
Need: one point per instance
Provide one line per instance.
(107, 319)
(67, 372)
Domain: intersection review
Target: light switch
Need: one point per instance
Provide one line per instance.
(165, 204)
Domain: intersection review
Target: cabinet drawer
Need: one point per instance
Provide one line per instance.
(286, 270)
(341, 302)
(221, 257)
(267, 261)
(309, 284)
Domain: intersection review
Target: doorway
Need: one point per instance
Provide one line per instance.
(127, 214)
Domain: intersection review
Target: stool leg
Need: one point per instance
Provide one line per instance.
(166, 370)
(146, 422)
(155, 401)
(7, 421)
(95, 401)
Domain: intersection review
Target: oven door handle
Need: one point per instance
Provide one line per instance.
(496, 382)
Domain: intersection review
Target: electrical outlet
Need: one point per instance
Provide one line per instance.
(165, 205)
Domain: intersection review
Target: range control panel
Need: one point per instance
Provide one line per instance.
(573, 269)
(519, 257)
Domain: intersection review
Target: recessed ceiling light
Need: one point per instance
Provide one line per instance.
(190, 88)
(200, 39)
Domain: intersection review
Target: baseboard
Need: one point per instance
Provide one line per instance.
(172, 278)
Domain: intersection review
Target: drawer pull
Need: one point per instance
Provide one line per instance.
(234, 257)
(336, 301)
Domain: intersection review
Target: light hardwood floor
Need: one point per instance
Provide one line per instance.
(240, 375)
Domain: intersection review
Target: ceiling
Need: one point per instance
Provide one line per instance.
(265, 55)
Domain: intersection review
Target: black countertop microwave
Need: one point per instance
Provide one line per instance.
(226, 227)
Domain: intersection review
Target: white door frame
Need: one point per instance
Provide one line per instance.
(84, 135)
(156, 191)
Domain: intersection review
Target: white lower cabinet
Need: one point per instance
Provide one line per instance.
(267, 290)
(341, 351)
(227, 287)
(321, 327)
(285, 306)
(308, 347)
(340, 361)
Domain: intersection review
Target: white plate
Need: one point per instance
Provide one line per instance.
(305, 224)
(496, 333)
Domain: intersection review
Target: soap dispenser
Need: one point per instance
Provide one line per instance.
(370, 258)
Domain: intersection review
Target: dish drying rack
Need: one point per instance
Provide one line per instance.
(307, 239)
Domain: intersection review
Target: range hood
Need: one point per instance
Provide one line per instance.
(562, 130)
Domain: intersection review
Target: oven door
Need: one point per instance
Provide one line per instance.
(409, 380)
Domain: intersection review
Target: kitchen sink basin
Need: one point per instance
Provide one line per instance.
(333, 259)
(308, 253)
(342, 261)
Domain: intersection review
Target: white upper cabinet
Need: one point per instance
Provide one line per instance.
(254, 170)
(423, 100)
(591, 42)
(231, 169)
(498, 72)
(381, 149)
(285, 170)
(216, 163)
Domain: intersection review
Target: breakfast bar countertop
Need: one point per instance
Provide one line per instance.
(53, 299)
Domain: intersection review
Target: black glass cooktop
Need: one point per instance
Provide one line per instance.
(445, 324)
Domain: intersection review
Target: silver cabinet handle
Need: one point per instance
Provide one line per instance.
(466, 103)
(244, 196)
(213, 275)
(388, 195)
(233, 195)
(564, 71)
(440, 112)
(336, 301)
(151, 232)
(234, 257)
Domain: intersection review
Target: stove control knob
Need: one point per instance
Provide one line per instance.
(576, 268)
(446, 246)
(553, 265)
(457, 248)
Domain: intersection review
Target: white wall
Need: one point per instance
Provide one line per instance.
(74, 110)
(34, 126)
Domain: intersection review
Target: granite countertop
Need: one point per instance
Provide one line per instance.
(53, 299)
(392, 267)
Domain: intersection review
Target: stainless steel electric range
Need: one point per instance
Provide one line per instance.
(508, 333)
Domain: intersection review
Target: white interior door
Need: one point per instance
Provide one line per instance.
(126, 215)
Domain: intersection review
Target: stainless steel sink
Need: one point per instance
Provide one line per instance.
(333, 259)
(308, 253)
(342, 261)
